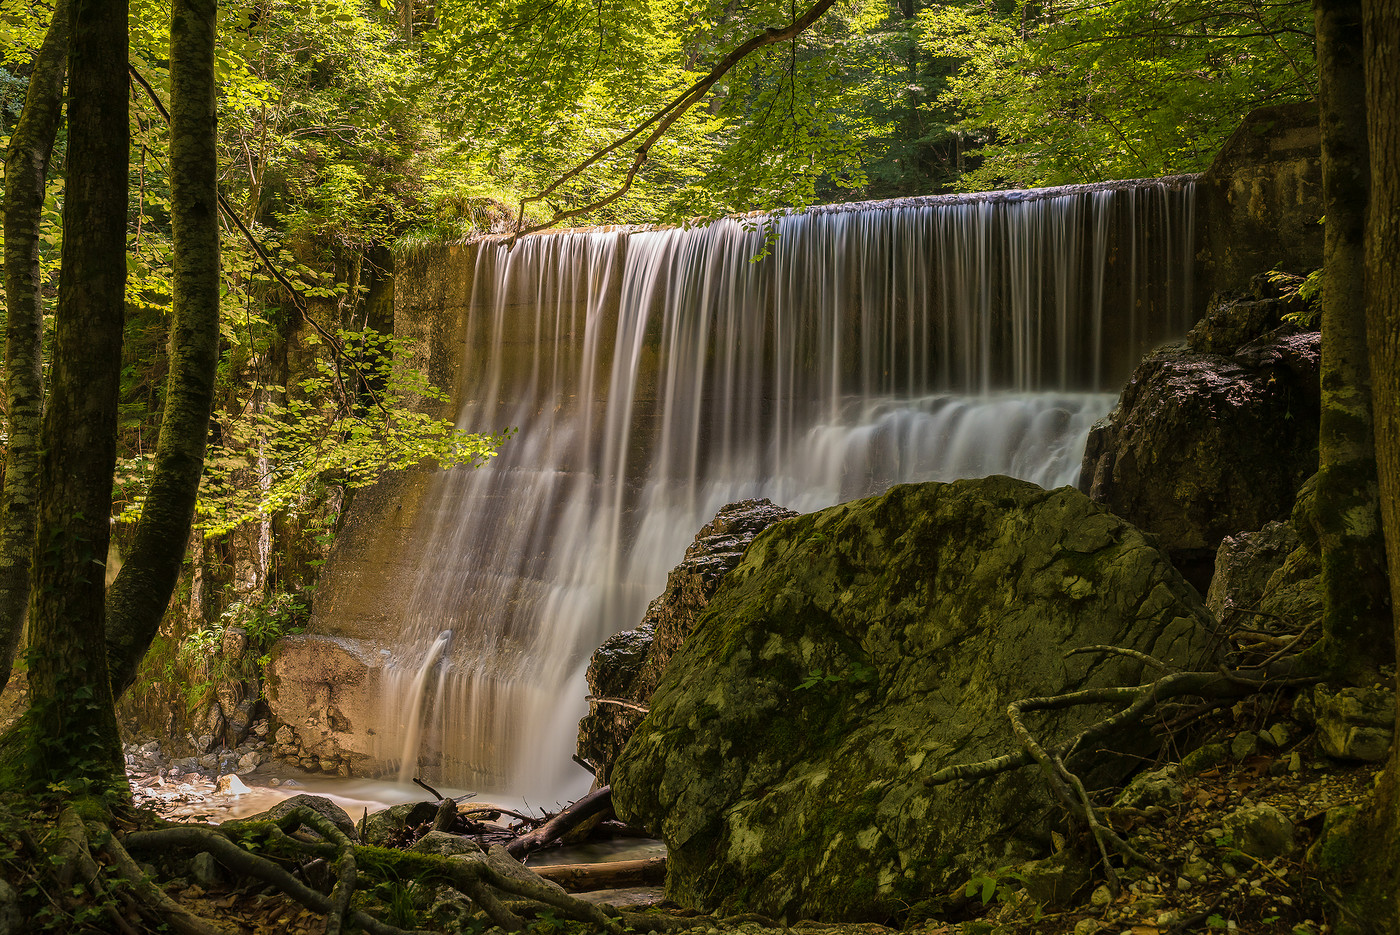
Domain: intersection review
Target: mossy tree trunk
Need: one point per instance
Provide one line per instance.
(1357, 604)
(26, 172)
(142, 590)
(1382, 25)
(70, 731)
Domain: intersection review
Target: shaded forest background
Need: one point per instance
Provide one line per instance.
(349, 131)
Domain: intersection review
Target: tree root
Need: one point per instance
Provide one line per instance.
(474, 878)
(1139, 701)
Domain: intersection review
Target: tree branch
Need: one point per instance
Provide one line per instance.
(662, 120)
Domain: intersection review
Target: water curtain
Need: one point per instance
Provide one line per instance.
(808, 357)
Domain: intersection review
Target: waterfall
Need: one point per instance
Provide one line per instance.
(809, 357)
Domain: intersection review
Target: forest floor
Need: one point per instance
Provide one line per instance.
(1204, 882)
(1254, 754)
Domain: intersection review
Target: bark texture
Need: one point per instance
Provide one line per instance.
(142, 590)
(1357, 614)
(26, 171)
(72, 731)
(1382, 24)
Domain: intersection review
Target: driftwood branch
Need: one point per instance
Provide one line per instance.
(619, 702)
(582, 878)
(595, 803)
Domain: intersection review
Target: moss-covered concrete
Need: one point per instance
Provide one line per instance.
(856, 651)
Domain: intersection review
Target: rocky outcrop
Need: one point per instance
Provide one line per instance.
(856, 651)
(1352, 723)
(323, 690)
(1213, 437)
(629, 665)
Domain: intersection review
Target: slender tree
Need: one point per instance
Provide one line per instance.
(1357, 606)
(26, 172)
(70, 730)
(139, 596)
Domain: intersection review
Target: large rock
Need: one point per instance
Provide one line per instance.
(327, 689)
(856, 651)
(629, 665)
(1213, 437)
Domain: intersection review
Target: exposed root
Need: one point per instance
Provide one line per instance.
(474, 878)
(1139, 701)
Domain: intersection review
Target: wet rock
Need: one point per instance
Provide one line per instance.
(1203, 758)
(284, 736)
(381, 825)
(319, 804)
(446, 845)
(230, 784)
(856, 651)
(1210, 438)
(629, 665)
(1260, 830)
(1352, 723)
(1054, 881)
(1157, 787)
(1244, 745)
(248, 762)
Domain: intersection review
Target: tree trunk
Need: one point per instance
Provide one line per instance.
(26, 171)
(1357, 604)
(142, 590)
(70, 731)
(1382, 22)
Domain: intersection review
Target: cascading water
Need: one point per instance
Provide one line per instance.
(656, 375)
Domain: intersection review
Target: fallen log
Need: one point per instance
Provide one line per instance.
(583, 878)
(594, 803)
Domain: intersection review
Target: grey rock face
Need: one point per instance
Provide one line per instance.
(629, 665)
(1352, 723)
(856, 651)
(1214, 437)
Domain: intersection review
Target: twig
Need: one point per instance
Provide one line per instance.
(1123, 651)
(420, 783)
(620, 702)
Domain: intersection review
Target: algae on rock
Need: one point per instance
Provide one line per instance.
(856, 651)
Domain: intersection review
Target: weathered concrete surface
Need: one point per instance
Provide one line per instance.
(856, 651)
(1260, 201)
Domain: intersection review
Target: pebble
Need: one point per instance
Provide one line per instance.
(1183, 884)
(1101, 897)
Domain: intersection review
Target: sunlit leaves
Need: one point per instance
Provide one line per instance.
(1082, 90)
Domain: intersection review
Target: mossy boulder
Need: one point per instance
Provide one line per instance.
(856, 651)
(629, 665)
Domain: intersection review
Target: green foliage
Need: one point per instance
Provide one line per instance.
(1079, 91)
(999, 886)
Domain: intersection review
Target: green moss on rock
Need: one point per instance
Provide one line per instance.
(856, 651)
